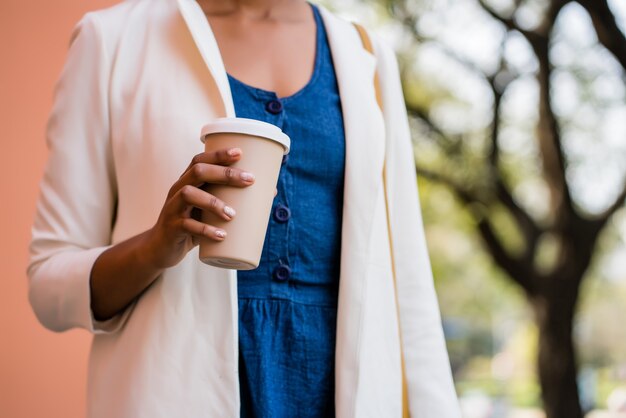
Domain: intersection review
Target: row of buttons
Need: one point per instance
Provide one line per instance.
(281, 212)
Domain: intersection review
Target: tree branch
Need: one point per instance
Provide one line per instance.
(410, 22)
(509, 22)
(517, 268)
(465, 195)
(422, 115)
(548, 132)
(550, 141)
(451, 54)
(549, 136)
(526, 223)
(497, 89)
(494, 152)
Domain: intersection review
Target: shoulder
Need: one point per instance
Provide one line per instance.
(383, 50)
(106, 19)
(385, 54)
(107, 25)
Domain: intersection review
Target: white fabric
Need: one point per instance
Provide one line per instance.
(141, 78)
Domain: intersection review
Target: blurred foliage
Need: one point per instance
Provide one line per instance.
(491, 336)
(492, 339)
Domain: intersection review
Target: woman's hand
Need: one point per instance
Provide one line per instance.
(178, 227)
(121, 273)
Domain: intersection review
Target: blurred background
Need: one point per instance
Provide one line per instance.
(518, 112)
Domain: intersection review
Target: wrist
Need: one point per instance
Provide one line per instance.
(146, 251)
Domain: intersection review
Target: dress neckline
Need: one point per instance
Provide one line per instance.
(316, 65)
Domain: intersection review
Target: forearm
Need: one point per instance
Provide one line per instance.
(122, 272)
(119, 275)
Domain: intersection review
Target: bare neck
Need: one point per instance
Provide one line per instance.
(256, 10)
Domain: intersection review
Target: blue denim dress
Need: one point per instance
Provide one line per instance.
(288, 305)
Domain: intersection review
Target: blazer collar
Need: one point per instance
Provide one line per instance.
(206, 43)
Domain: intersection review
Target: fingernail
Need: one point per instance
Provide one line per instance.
(229, 211)
(220, 234)
(234, 151)
(247, 176)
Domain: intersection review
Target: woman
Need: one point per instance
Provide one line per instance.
(176, 338)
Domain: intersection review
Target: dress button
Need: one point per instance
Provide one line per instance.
(285, 158)
(282, 272)
(282, 213)
(274, 106)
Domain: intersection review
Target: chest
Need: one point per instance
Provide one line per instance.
(273, 56)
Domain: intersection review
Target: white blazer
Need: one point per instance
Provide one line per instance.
(140, 80)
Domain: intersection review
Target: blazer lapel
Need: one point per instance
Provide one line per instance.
(207, 45)
(364, 136)
(364, 142)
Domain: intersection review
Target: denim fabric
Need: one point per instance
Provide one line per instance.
(288, 305)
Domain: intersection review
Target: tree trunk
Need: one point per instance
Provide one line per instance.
(557, 364)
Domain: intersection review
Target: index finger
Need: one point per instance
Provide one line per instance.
(222, 156)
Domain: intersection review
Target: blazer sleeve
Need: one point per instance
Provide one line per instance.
(429, 380)
(77, 193)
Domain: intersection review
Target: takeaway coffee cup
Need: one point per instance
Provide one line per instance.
(263, 146)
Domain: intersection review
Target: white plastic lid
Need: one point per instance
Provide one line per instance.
(247, 126)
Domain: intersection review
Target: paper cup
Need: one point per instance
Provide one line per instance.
(263, 146)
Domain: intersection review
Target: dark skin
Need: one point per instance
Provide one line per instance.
(265, 43)
(124, 271)
(287, 29)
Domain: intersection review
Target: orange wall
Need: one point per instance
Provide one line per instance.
(42, 374)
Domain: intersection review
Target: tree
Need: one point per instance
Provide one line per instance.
(572, 231)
